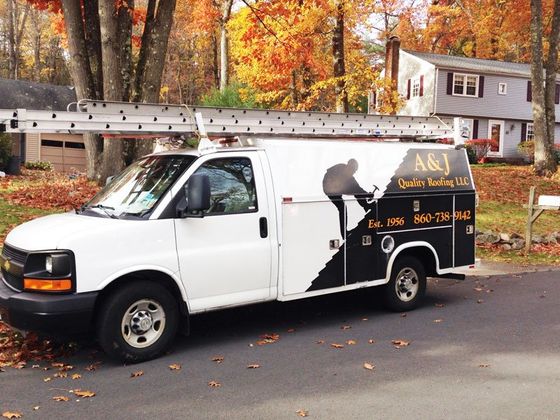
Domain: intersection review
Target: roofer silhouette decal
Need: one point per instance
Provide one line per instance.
(338, 181)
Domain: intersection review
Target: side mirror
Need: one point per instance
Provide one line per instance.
(197, 193)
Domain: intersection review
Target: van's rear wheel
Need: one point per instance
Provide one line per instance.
(138, 322)
(407, 285)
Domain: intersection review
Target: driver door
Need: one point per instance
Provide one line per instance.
(225, 256)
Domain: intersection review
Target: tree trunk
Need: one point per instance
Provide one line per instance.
(113, 149)
(338, 60)
(154, 50)
(93, 43)
(224, 47)
(543, 88)
(34, 15)
(215, 65)
(82, 76)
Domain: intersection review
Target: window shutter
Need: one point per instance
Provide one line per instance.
(450, 83)
(475, 129)
(481, 86)
(374, 99)
(529, 91)
(523, 131)
(408, 89)
(557, 95)
(422, 86)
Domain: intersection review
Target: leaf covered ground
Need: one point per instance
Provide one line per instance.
(503, 190)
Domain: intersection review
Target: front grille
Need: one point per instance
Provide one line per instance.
(14, 254)
(13, 281)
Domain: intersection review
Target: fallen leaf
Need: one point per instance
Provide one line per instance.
(253, 366)
(83, 394)
(480, 301)
(57, 365)
(214, 384)
(437, 321)
(484, 365)
(137, 374)
(66, 368)
(371, 341)
(398, 344)
(175, 366)
(76, 376)
(364, 319)
(320, 342)
(345, 327)
(47, 379)
(268, 339)
(351, 342)
(337, 346)
(11, 414)
(302, 413)
(35, 367)
(61, 398)
(403, 315)
(218, 359)
(36, 407)
(369, 366)
(439, 305)
(291, 330)
(93, 367)
(60, 375)
(478, 289)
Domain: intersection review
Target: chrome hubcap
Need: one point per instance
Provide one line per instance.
(143, 323)
(407, 284)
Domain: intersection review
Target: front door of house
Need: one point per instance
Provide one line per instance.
(496, 134)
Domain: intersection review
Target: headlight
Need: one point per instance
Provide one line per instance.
(49, 264)
(49, 271)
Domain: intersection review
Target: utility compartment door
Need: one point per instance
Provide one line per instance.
(464, 229)
(225, 256)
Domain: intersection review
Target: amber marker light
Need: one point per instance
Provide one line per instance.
(59, 285)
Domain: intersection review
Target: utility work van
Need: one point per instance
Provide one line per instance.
(280, 206)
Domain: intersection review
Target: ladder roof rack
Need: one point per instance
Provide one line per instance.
(126, 119)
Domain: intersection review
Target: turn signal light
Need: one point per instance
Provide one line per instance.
(60, 285)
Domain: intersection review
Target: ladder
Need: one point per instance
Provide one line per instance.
(126, 119)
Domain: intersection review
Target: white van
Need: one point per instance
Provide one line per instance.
(180, 233)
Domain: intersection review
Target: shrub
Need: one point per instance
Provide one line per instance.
(5, 150)
(39, 166)
(471, 154)
(234, 96)
(481, 147)
(527, 150)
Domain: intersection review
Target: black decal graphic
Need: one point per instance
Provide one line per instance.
(429, 178)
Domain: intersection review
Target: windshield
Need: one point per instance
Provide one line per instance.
(139, 187)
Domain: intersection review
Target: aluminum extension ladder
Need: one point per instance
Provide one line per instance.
(125, 119)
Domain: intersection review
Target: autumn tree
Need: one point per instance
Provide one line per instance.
(104, 64)
(543, 75)
(302, 54)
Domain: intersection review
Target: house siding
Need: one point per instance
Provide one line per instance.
(512, 106)
(412, 67)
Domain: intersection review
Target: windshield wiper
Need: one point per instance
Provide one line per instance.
(100, 207)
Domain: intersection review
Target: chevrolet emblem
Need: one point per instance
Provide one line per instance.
(7, 265)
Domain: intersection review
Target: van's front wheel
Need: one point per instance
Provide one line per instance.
(407, 285)
(138, 322)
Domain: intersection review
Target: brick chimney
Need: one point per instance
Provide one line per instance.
(392, 60)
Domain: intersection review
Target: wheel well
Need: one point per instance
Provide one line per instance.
(149, 275)
(424, 255)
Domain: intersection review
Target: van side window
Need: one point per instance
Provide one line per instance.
(232, 186)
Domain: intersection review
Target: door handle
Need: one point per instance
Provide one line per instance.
(263, 225)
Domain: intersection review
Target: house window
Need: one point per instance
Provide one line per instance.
(467, 128)
(530, 134)
(465, 85)
(502, 88)
(415, 88)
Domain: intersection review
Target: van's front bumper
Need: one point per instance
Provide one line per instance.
(63, 314)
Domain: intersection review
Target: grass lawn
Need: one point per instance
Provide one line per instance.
(503, 190)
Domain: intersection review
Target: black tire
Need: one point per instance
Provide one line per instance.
(120, 327)
(407, 285)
